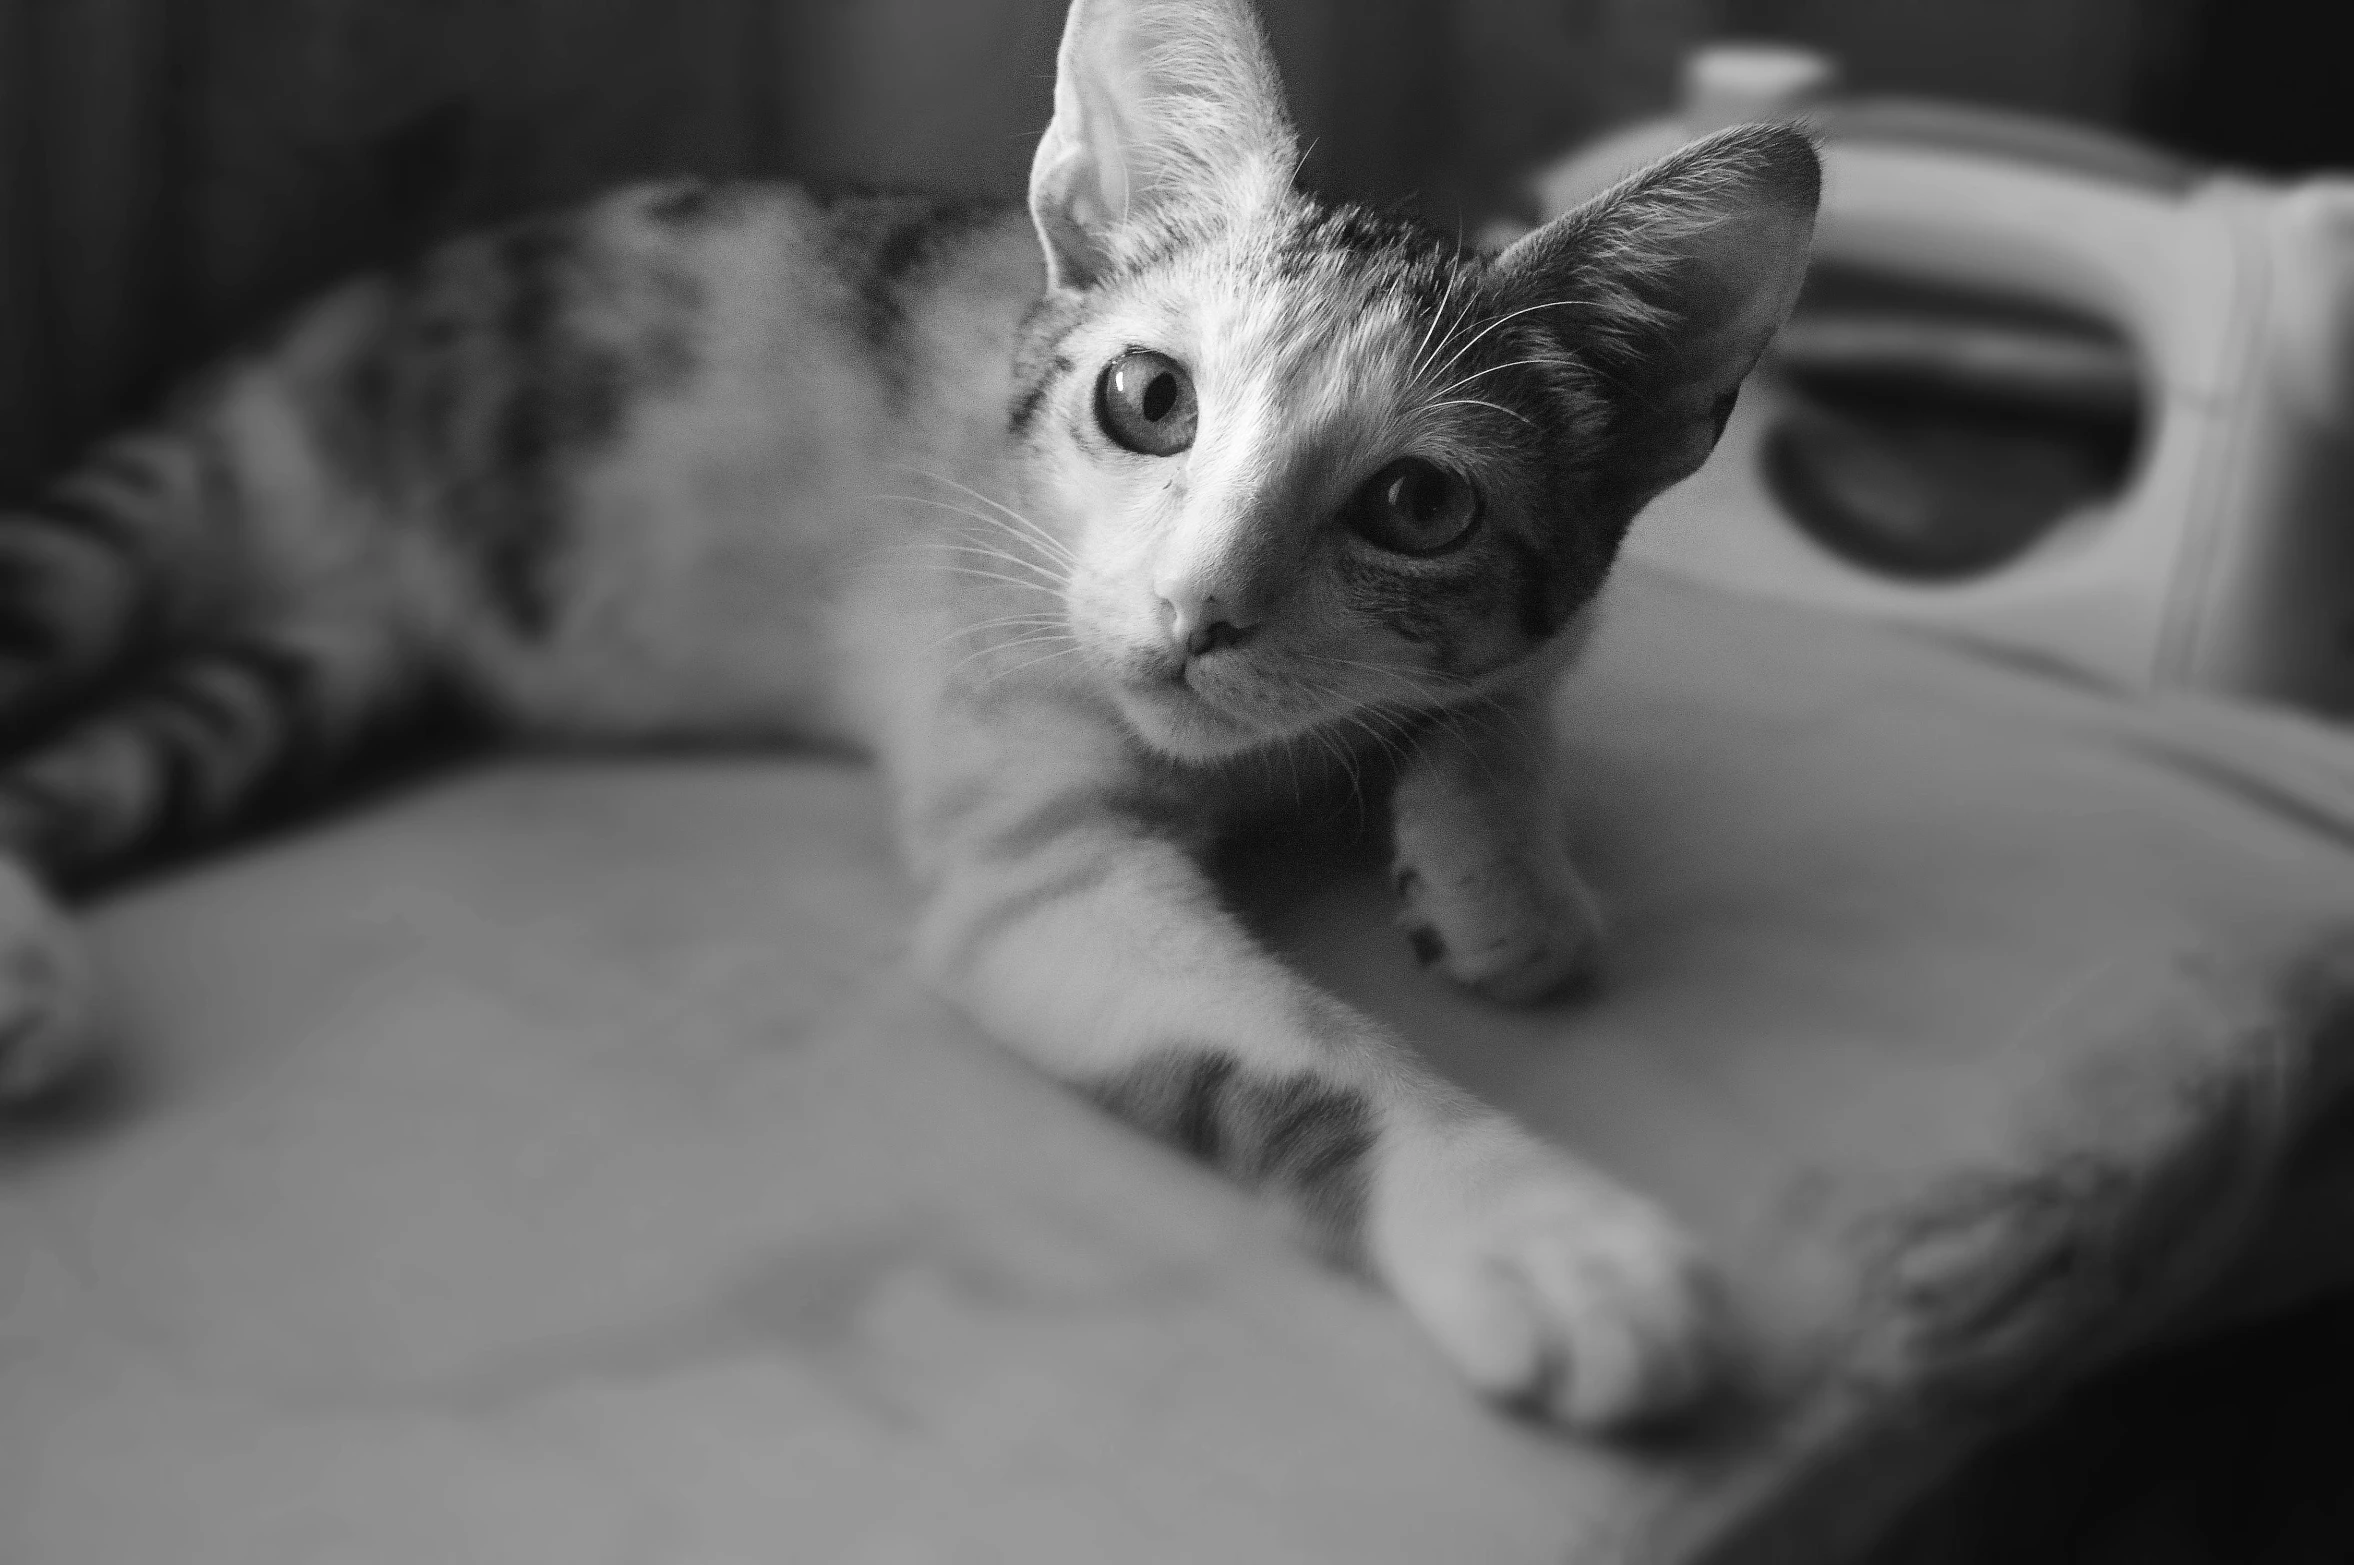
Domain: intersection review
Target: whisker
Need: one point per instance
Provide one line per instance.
(1509, 316)
(1000, 557)
(1451, 699)
(1414, 364)
(1393, 751)
(1493, 369)
(1010, 622)
(1039, 534)
(1380, 741)
(1027, 537)
(1480, 402)
(1416, 685)
(1036, 639)
(1301, 161)
(1394, 724)
(1348, 766)
(1033, 663)
(1028, 583)
(1461, 315)
(900, 559)
(1035, 536)
(1493, 704)
(1498, 324)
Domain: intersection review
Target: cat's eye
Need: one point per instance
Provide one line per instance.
(1145, 402)
(1413, 507)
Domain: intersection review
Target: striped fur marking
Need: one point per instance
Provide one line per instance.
(1032, 398)
(884, 247)
(1041, 363)
(1298, 1136)
(71, 511)
(698, 203)
(44, 995)
(565, 397)
(194, 749)
(499, 369)
(72, 592)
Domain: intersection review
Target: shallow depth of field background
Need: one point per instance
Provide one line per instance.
(173, 172)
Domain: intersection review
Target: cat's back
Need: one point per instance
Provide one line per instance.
(880, 289)
(645, 431)
(566, 322)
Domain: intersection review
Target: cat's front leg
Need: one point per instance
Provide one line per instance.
(1095, 947)
(1486, 889)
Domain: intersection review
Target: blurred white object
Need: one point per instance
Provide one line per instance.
(2226, 560)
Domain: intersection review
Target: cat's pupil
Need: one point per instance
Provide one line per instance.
(1418, 491)
(1413, 507)
(1160, 396)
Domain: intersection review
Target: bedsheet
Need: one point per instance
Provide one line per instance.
(552, 1164)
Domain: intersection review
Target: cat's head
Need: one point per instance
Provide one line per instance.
(1314, 461)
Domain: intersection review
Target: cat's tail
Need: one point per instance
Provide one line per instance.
(202, 609)
(136, 715)
(194, 743)
(202, 618)
(171, 751)
(90, 574)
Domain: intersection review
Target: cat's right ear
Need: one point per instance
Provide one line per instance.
(1164, 111)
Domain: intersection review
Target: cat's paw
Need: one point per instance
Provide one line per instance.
(1511, 930)
(1552, 1288)
(44, 990)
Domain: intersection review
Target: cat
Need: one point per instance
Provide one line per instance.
(1102, 526)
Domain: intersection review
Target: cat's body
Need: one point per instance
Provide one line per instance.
(1174, 499)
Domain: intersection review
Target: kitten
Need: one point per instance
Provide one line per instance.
(1102, 527)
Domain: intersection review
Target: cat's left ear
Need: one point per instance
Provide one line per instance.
(1670, 285)
(1164, 111)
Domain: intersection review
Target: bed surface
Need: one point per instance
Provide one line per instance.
(551, 1165)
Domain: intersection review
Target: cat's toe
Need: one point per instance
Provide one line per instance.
(44, 991)
(1528, 967)
(1562, 1294)
(1502, 937)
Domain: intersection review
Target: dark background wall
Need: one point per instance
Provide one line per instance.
(171, 171)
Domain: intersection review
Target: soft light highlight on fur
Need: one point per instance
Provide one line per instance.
(749, 464)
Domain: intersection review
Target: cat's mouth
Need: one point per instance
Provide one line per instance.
(1170, 711)
(1196, 708)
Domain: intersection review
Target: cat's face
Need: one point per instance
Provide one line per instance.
(1309, 475)
(1311, 468)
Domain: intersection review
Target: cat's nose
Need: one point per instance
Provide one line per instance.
(1203, 625)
